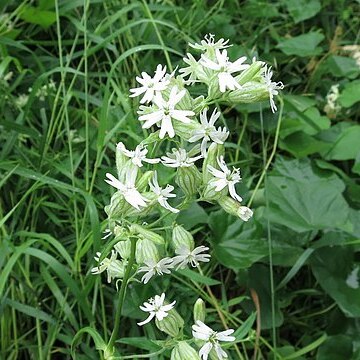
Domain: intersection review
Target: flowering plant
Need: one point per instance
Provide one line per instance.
(144, 199)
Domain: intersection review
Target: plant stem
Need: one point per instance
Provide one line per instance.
(122, 296)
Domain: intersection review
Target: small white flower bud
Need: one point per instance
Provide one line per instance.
(245, 213)
(199, 310)
(183, 351)
(181, 238)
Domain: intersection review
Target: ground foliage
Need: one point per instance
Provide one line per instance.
(300, 252)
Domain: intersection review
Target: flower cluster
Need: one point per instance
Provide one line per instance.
(186, 144)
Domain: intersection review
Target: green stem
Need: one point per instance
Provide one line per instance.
(122, 293)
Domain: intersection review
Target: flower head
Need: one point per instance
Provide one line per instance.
(225, 178)
(224, 69)
(113, 267)
(128, 190)
(194, 70)
(150, 86)
(179, 158)
(203, 332)
(162, 194)
(209, 43)
(207, 131)
(165, 111)
(273, 86)
(186, 256)
(153, 268)
(156, 308)
(138, 155)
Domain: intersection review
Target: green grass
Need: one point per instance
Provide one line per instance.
(54, 154)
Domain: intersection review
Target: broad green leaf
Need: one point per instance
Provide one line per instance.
(34, 15)
(351, 94)
(303, 200)
(192, 216)
(246, 326)
(341, 66)
(302, 45)
(303, 9)
(198, 278)
(338, 274)
(338, 347)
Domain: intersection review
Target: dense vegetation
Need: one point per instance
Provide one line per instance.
(65, 72)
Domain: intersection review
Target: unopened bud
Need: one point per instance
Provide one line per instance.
(189, 179)
(147, 234)
(250, 73)
(185, 131)
(199, 310)
(183, 351)
(245, 213)
(233, 207)
(210, 194)
(214, 151)
(249, 93)
(172, 324)
(146, 249)
(181, 238)
(123, 248)
(117, 206)
(121, 161)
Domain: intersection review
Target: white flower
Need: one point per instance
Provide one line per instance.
(245, 213)
(193, 257)
(209, 42)
(193, 70)
(138, 155)
(165, 112)
(225, 178)
(208, 132)
(273, 86)
(225, 68)
(152, 268)
(150, 86)
(128, 190)
(203, 332)
(156, 308)
(179, 158)
(114, 267)
(162, 194)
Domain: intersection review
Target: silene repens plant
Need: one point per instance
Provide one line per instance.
(144, 240)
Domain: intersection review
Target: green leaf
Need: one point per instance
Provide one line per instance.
(198, 278)
(36, 16)
(351, 94)
(303, 200)
(337, 347)
(338, 275)
(303, 9)
(302, 45)
(98, 340)
(246, 326)
(192, 216)
(341, 66)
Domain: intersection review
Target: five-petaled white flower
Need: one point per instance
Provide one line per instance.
(150, 86)
(225, 178)
(162, 194)
(203, 332)
(207, 131)
(179, 158)
(128, 190)
(156, 308)
(194, 70)
(165, 112)
(153, 268)
(138, 155)
(113, 267)
(209, 42)
(273, 86)
(186, 256)
(225, 68)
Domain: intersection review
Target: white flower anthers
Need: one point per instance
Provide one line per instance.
(209, 43)
(203, 332)
(152, 268)
(186, 256)
(179, 158)
(225, 178)
(137, 156)
(162, 194)
(112, 266)
(224, 69)
(165, 111)
(272, 86)
(207, 131)
(156, 308)
(128, 190)
(150, 86)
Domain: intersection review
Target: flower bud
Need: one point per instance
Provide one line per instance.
(185, 131)
(121, 161)
(209, 193)
(117, 206)
(233, 207)
(120, 232)
(199, 310)
(198, 104)
(172, 324)
(214, 151)
(245, 213)
(214, 90)
(183, 351)
(189, 179)
(147, 234)
(249, 93)
(146, 249)
(123, 248)
(250, 73)
(181, 238)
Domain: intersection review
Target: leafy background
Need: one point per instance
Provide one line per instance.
(301, 168)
